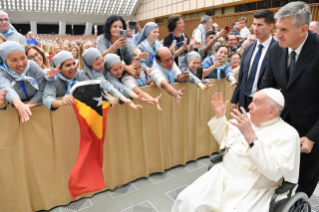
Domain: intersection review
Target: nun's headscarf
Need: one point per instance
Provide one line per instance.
(7, 47)
(188, 58)
(88, 58)
(146, 31)
(110, 60)
(59, 58)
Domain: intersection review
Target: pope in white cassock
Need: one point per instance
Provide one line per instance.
(261, 150)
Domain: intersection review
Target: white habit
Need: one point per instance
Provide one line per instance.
(247, 177)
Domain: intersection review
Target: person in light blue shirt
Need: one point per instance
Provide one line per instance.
(214, 66)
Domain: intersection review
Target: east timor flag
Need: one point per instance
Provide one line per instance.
(91, 110)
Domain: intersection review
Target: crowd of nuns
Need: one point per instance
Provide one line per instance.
(121, 66)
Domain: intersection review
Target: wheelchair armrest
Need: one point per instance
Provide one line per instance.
(217, 157)
(286, 186)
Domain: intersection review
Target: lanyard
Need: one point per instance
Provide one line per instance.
(151, 58)
(180, 40)
(23, 87)
(66, 87)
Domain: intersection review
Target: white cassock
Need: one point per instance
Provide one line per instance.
(247, 177)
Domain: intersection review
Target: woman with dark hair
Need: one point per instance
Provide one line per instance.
(175, 26)
(111, 43)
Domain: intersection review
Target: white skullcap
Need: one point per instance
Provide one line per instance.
(275, 95)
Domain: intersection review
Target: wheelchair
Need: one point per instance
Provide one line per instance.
(296, 203)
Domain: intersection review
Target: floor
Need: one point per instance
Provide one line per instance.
(163, 187)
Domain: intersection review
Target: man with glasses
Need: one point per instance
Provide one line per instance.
(8, 31)
(254, 60)
(231, 41)
(165, 71)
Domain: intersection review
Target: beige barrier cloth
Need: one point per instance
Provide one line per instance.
(37, 157)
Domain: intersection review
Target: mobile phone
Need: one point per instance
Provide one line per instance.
(174, 43)
(123, 33)
(227, 28)
(132, 25)
(199, 73)
(227, 61)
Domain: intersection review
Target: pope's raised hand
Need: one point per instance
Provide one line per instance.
(243, 124)
(219, 105)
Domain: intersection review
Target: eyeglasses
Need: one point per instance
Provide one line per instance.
(6, 20)
(180, 22)
(168, 60)
(34, 56)
(235, 58)
(232, 39)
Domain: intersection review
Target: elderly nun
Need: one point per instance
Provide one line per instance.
(60, 86)
(22, 79)
(191, 62)
(113, 72)
(148, 43)
(93, 66)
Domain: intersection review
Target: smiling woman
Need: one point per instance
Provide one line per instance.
(67, 76)
(22, 79)
(111, 43)
(37, 55)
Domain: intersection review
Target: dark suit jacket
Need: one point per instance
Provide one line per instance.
(301, 94)
(238, 95)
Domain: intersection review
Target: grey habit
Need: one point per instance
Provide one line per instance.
(192, 76)
(146, 62)
(88, 59)
(110, 60)
(16, 91)
(58, 87)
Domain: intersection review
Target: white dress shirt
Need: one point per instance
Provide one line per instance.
(265, 44)
(298, 50)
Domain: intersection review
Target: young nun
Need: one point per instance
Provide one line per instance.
(113, 72)
(148, 43)
(61, 84)
(191, 62)
(93, 66)
(22, 79)
(138, 80)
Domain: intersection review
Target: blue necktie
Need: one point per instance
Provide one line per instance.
(253, 71)
(292, 63)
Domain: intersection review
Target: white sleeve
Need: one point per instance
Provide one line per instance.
(218, 128)
(157, 76)
(280, 159)
(129, 81)
(198, 36)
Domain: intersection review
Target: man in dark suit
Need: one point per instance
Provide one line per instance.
(293, 68)
(254, 60)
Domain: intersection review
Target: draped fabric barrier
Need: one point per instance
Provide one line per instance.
(36, 157)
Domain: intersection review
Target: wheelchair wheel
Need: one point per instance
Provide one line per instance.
(297, 203)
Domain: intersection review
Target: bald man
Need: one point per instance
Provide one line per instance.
(314, 27)
(8, 31)
(165, 71)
